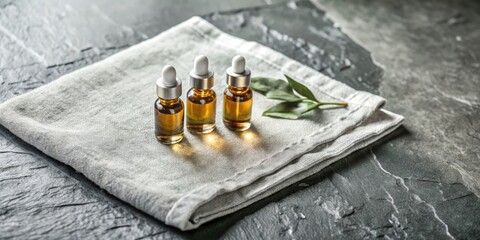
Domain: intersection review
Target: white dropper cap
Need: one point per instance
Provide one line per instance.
(169, 86)
(169, 76)
(238, 64)
(200, 76)
(238, 75)
(200, 65)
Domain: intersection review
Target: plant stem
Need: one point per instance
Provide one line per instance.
(343, 104)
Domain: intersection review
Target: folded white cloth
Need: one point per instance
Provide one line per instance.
(99, 120)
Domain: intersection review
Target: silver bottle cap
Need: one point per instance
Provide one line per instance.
(200, 76)
(169, 86)
(238, 75)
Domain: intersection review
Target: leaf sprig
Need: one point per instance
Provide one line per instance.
(292, 106)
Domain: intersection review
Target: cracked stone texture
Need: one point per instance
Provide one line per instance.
(431, 53)
(418, 183)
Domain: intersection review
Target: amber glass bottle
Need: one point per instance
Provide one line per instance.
(237, 98)
(169, 120)
(237, 108)
(201, 99)
(168, 108)
(201, 110)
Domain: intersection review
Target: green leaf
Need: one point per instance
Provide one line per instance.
(281, 95)
(289, 110)
(263, 85)
(301, 89)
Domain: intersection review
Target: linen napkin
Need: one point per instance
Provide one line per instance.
(99, 120)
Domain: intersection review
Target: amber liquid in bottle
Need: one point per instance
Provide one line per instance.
(169, 120)
(201, 104)
(237, 108)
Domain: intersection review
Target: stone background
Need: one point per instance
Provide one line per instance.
(420, 182)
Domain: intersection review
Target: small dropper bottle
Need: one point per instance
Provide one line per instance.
(237, 98)
(201, 99)
(169, 108)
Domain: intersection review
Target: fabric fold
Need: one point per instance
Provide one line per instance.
(99, 120)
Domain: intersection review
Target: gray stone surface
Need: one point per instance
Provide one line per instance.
(431, 54)
(418, 183)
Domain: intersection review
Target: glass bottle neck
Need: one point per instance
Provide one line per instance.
(238, 90)
(202, 92)
(168, 102)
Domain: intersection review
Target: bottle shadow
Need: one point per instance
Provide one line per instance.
(183, 149)
(215, 141)
(252, 138)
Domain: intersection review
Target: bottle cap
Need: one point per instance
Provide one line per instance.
(169, 86)
(238, 75)
(200, 76)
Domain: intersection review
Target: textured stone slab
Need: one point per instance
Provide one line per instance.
(405, 187)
